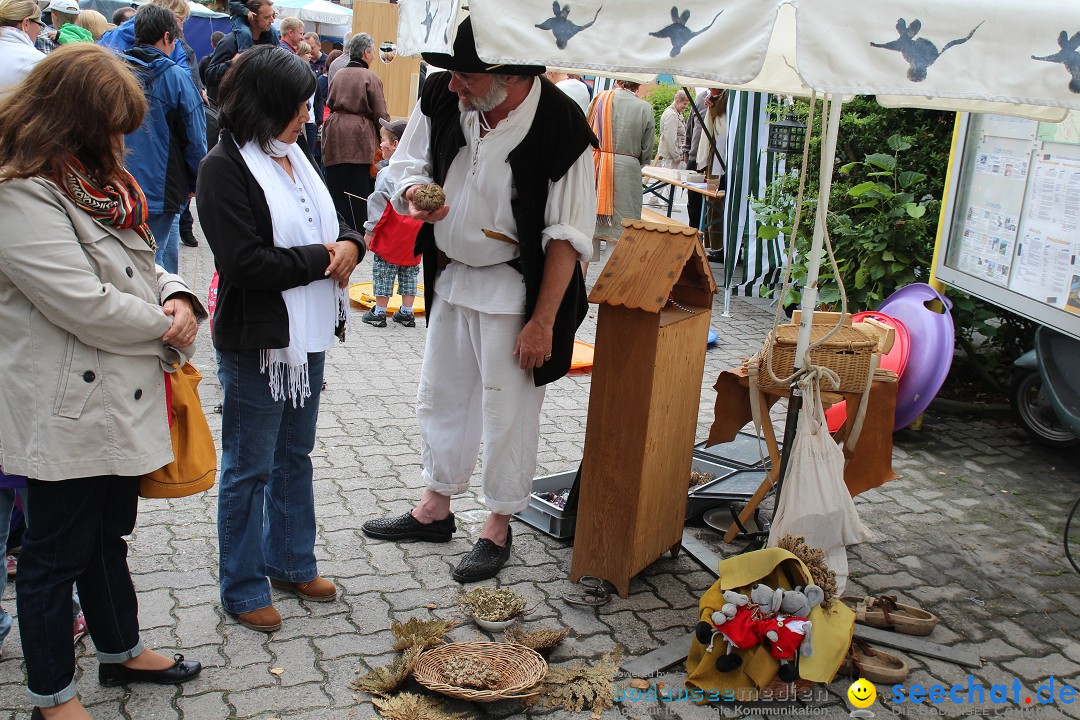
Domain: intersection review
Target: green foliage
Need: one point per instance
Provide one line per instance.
(884, 205)
(881, 224)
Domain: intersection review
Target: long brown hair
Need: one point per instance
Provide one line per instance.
(73, 104)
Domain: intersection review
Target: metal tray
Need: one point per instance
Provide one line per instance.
(739, 485)
(743, 452)
(696, 505)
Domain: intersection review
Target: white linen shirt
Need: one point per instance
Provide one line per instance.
(479, 187)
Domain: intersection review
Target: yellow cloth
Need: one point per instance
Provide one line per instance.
(831, 634)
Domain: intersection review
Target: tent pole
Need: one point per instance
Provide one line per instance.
(831, 115)
(704, 129)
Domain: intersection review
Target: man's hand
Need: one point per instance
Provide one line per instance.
(423, 216)
(343, 257)
(533, 346)
(184, 324)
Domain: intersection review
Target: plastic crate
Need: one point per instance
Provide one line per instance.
(548, 518)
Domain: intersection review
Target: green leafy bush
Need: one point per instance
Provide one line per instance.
(884, 206)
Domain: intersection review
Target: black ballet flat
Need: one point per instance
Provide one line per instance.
(182, 670)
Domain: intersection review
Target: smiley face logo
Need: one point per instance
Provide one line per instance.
(862, 693)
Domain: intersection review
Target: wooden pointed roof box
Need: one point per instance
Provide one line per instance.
(652, 262)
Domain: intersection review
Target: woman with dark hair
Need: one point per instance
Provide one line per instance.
(351, 134)
(283, 258)
(87, 323)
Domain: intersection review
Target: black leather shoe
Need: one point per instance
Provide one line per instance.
(714, 256)
(484, 561)
(189, 239)
(181, 671)
(36, 714)
(406, 527)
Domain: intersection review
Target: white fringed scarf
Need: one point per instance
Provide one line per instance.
(315, 309)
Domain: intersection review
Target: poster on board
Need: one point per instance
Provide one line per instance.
(1012, 218)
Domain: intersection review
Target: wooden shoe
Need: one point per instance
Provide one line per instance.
(876, 666)
(885, 612)
(318, 590)
(266, 619)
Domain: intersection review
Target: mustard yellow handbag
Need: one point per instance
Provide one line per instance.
(194, 464)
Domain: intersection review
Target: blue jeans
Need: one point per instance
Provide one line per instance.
(266, 503)
(168, 247)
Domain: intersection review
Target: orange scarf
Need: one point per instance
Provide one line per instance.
(604, 156)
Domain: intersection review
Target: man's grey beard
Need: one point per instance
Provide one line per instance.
(493, 98)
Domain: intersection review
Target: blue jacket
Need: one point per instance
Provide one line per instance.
(122, 38)
(164, 153)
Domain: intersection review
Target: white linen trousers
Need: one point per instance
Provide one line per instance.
(472, 390)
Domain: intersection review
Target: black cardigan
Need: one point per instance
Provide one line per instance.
(559, 134)
(250, 312)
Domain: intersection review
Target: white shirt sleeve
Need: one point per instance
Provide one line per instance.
(376, 203)
(571, 207)
(411, 163)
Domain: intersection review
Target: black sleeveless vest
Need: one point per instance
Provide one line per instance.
(558, 136)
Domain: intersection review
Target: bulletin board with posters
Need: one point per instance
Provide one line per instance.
(1012, 230)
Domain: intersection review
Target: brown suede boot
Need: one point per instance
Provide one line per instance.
(266, 619)
(318, 590)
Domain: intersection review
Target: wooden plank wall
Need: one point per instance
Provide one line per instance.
(401, 76)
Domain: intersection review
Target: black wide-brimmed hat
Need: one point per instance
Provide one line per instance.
(466, 60)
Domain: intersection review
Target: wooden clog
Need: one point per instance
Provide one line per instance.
(875, 665)
(885, 612)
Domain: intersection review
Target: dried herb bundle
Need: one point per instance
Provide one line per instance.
(421, 633)
(492, 604)
(580, 687)
(471, 672)
(700, 478)
(384, 680)
(814, 560)
(542, 639)
(407, 706)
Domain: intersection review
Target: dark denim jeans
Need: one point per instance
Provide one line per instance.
(77, 535)
(266, 503)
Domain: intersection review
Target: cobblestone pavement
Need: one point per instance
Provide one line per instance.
(971, 531)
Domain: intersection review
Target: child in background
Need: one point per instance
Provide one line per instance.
(391, 238)
(238, 16)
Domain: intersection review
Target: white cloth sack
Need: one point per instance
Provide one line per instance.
(815, 502)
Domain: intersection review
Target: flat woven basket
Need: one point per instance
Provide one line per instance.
(520, 668)
(847, 353)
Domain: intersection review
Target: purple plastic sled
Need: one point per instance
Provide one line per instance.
(931, 348)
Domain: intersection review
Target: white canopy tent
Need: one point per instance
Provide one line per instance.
(319, 16)
(992, 56)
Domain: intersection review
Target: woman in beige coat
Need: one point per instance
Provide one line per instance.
(351, 133)
(88, 323)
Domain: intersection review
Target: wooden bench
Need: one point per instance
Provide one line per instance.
(654, 216)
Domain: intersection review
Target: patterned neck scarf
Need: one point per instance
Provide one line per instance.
(120, 204)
